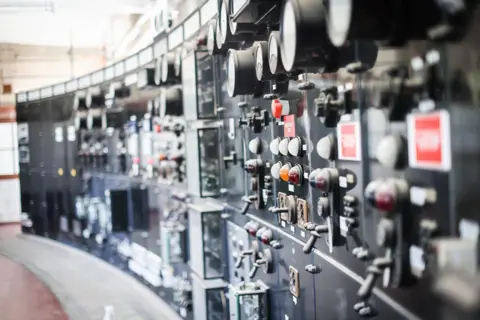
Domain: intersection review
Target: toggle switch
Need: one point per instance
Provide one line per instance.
(284, 171)
(295, 147)
(295, 175)
(274, 146)
(253, 166)
(255, 146)
(243, 254)
(248, 201)
(283, 146)
(313, 269)
(275, 170)
(392, 152)
(316, 232)
(265, 260)
(373, 272)
(324, 179)
(327, 147)
(280, 109)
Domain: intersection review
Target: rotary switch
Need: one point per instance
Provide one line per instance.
(274, 145)
(324, 179)
(265, 260)
(290, 209)
(316, 232)
(275, 170)
(284, 170)
(392, 152)
(295, 175)
(295, 147)
(283, 146)
(388, 195)
(253, 166)
(327, 147)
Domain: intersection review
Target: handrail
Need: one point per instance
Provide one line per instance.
(170, 41)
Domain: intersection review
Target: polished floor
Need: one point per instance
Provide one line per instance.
(42, 279)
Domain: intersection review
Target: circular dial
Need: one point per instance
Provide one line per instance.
(211, 39)
(223, 21)
(288, 35)
(274, 60)
(231, 64)
(339, 17)
(259, 63)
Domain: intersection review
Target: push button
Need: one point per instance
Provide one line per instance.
(274, 145)
(323, 179)
(275, 170)
(295, 147)
(326, 147)
(283, 146)
(295, 175)
(255, 146)
(284, 170)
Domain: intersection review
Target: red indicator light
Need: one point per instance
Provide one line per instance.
(136, 160)
(266, 240)
(277, 109)
(150, 161)
(295, 175)
(385, 201)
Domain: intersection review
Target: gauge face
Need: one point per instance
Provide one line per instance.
(211, 38)
(288, 36)
(273, 54)
(259, 63)
(231, 73)
(339, 17)
(223, 21)
(218, 37)
(164, 69)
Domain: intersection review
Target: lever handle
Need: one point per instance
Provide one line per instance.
(308, 247)
(366, 289)
(253, 271)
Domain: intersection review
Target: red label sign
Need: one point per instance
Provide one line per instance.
(429, 141)
(348, 135)
(289, 126)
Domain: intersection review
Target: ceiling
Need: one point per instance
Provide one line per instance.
(80, 23)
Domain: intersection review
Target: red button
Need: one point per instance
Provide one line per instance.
(295, 175)
(385, 201)
(277, 109)
(266, 240)
(136, 160)
(150, 161)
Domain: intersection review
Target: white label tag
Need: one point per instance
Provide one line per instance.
(295, 300)
(58, 134)
(343, 226)
(291, 188)
(183, 312)
(417, 264)
(283, 223)
(63, 224)
(342, 182)
(286, 317)
(302, 233)
(292, 229)
(304, 147)
(469, 230)
(305, 175)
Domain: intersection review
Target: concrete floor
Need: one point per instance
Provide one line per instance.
(41, 279)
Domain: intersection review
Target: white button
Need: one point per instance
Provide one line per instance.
(294, 147)
(274, 145)
(389, 151)
(275, 170)
(326, 147)
(255, 146)
(283, 146)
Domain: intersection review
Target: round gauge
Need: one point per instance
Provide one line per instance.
(259, 63)
(223, 21)
(218, 37)
(211, 39)
(274, 60)
(339, 17)
(231, 68)
(288, 36)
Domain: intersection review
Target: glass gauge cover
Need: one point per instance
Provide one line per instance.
(211, 38)
(259, 63)
(273, 54)
(231, 69)
(223, 21)
(288, 36)
(339, 17)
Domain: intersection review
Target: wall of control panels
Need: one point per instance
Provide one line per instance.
(289, 159)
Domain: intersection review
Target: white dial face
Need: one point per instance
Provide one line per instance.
(339, 16)
(259, 63)
(223, 21)
(231, 74)
(211, 38)
(273, 54)
(289, 36)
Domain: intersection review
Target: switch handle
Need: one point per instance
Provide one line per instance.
(366, 289)
(239, 261)
(253, 271)
(307, 248)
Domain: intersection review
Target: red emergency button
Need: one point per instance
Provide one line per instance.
(266, 236)
(251, 228)
(157, 128)
(136, 160)
(150, 161)
(385, 201)
(295, 175)
(277, 109)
